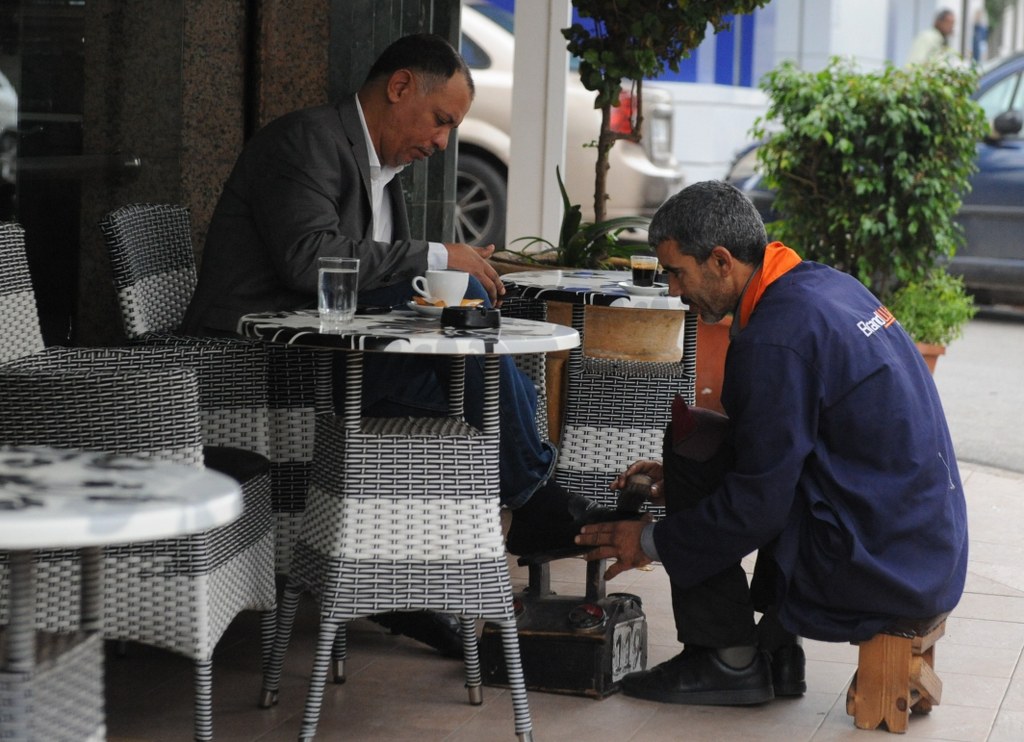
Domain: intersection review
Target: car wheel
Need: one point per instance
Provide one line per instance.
(480, 198)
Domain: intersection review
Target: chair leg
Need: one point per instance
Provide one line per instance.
(880, 691)
(895, 677)
(471, 656)
(285, 619)
(516, 681)
(339, 654)
(204, 700)
(318, 679)
(268, 630)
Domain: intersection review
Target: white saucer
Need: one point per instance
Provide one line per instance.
(658, 289)
(427, 309)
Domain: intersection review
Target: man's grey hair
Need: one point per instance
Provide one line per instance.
(707, 214)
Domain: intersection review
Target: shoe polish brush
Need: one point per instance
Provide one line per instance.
(636, 492)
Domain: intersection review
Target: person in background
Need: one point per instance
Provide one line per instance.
(979, 38)
(933, 43)
(322, 182)
(835, 464)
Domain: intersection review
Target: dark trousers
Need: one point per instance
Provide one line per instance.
(719, 612)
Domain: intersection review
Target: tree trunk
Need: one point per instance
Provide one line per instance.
(605, 140)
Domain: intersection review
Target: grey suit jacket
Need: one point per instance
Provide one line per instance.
(299, 190)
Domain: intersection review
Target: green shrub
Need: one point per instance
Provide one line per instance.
(869, 169)
(935, 309)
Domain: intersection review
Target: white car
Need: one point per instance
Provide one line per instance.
(641, 176)
(8, 129)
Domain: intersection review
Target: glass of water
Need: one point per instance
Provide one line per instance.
(337, 292)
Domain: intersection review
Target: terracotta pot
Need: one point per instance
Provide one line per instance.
(712, 345)
(931, 354)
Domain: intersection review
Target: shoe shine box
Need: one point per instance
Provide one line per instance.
(579, 646)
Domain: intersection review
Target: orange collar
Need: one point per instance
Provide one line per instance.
(778, 260)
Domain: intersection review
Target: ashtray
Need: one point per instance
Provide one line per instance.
(470, 318)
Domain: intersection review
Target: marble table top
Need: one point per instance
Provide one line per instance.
(405, 331)
(56, 498)
(601, 287)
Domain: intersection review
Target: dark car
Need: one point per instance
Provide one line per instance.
(991, 260)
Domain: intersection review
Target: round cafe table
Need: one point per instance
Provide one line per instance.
(61, 498)
(402, 513)
(589, 287)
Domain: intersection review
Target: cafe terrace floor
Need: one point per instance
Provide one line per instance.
(400, 690)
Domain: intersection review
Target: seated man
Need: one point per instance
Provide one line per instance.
(836, 465)
(321, 182)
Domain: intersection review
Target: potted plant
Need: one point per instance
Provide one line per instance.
(933, 311)
(868, 171)
(619, 41)
(581, 244)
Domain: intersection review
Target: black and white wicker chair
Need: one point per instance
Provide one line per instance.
(534, 365)
(179, 594)
(614, 406)
(403, 514)
(150, 248)
(621, 407)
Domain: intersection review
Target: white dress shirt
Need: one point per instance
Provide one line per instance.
(383, 220)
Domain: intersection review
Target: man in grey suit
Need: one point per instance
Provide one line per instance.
(321, 182)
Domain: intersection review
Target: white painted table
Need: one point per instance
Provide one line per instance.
(402, 512)
(595, 287)
(57, 498)
(408, 332)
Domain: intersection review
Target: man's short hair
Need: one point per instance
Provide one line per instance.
(707, 214)
(429, 55)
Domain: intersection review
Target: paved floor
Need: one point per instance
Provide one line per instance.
(399, 690)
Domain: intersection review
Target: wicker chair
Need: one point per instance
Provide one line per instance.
(534, 365)
(403, 514)
(179, 594)
(150, 248)
(614, 406)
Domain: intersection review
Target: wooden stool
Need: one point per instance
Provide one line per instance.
(895, 675)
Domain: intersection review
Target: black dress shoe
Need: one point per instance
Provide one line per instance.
(698, 676)
(553, 531)
(788, 670)
(437, 630)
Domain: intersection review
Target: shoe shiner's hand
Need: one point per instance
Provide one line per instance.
(618, 540)
(652, 469)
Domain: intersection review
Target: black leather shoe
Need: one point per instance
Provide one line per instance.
(788, 663)
(437, 630)
(554, 533)
(698, 676)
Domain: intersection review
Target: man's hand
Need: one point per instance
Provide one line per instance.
(618, 540)
(653, 469)
(473, 260)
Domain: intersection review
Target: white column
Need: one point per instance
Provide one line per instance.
(538, 119)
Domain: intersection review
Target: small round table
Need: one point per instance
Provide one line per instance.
(594, 287)
(402, 512)
(62, 498)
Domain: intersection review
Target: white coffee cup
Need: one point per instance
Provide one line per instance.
(447, 286)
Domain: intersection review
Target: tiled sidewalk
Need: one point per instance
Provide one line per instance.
(399, 690)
